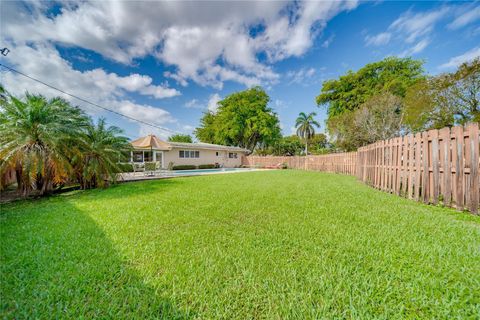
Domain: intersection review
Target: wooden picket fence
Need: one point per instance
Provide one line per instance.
(436, 166)
(433, 166)
(344, 163)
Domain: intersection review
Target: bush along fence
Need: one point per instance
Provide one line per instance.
(436, 166)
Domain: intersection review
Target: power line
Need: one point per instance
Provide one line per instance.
(86, 101)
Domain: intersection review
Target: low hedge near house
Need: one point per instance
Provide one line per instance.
(206, 166)
(184, 167)
(125, 167)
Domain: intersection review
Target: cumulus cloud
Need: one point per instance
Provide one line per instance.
(458, 60)
(208, 43)
(44, 62)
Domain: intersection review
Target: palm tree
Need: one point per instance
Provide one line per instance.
(100, 150)
(34, 134)
(305, 125)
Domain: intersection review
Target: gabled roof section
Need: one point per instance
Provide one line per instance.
(151, 142)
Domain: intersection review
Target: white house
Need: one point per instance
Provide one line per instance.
(152, 149)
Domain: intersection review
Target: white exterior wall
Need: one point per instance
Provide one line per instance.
(206, 157)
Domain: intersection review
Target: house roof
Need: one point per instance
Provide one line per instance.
(201, 145)
(152, 142)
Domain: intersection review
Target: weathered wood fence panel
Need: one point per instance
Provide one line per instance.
(336, 162)
(436, 166)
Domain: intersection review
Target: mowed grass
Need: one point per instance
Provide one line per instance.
(260, 245)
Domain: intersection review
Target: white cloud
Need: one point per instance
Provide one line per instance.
(300, 76)
(458, 60)
(378, 40)
(212, 104)
(284, 38)
(207, 42)
(468, 16)
(328, 41)
(43, 61)
(193, 104)
(412, 28)
(415, 25)
(417, 48)
(279, 104)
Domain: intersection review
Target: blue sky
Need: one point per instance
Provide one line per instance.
(168, 62)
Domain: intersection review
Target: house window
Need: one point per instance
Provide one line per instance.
(147, 156)
(216, 153)
(232, 155)
(188, 154)
(158, 157)
(137, 156)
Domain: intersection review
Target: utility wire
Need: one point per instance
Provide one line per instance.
(86, 101)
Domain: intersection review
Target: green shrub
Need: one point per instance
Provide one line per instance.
(150, 166)
(206, 166)
(125, 167)
(284, 165)
(184, 167)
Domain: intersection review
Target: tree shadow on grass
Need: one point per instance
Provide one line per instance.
(134, 189)
(57, 263)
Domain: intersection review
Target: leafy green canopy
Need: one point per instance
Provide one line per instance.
(101, 147)
(242, 119)
(293, 145)
(445, 100)
(48, 143)
(34, 138)
(348, 92)
(180, 138)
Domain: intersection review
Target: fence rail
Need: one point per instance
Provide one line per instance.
(436, 166)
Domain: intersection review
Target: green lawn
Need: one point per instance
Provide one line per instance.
(278, 244)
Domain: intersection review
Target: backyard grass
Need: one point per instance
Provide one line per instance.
(280, 244)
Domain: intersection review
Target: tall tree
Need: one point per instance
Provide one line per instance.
(242, 119)
(348, 92)
(305, 125)
(101, 148)
(318, 144)
(345, 95)
(207, 130)
(180, 138)
(445, 100)
(34, 135)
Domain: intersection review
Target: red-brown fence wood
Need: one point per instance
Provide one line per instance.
(435, 166)
(344, 163)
